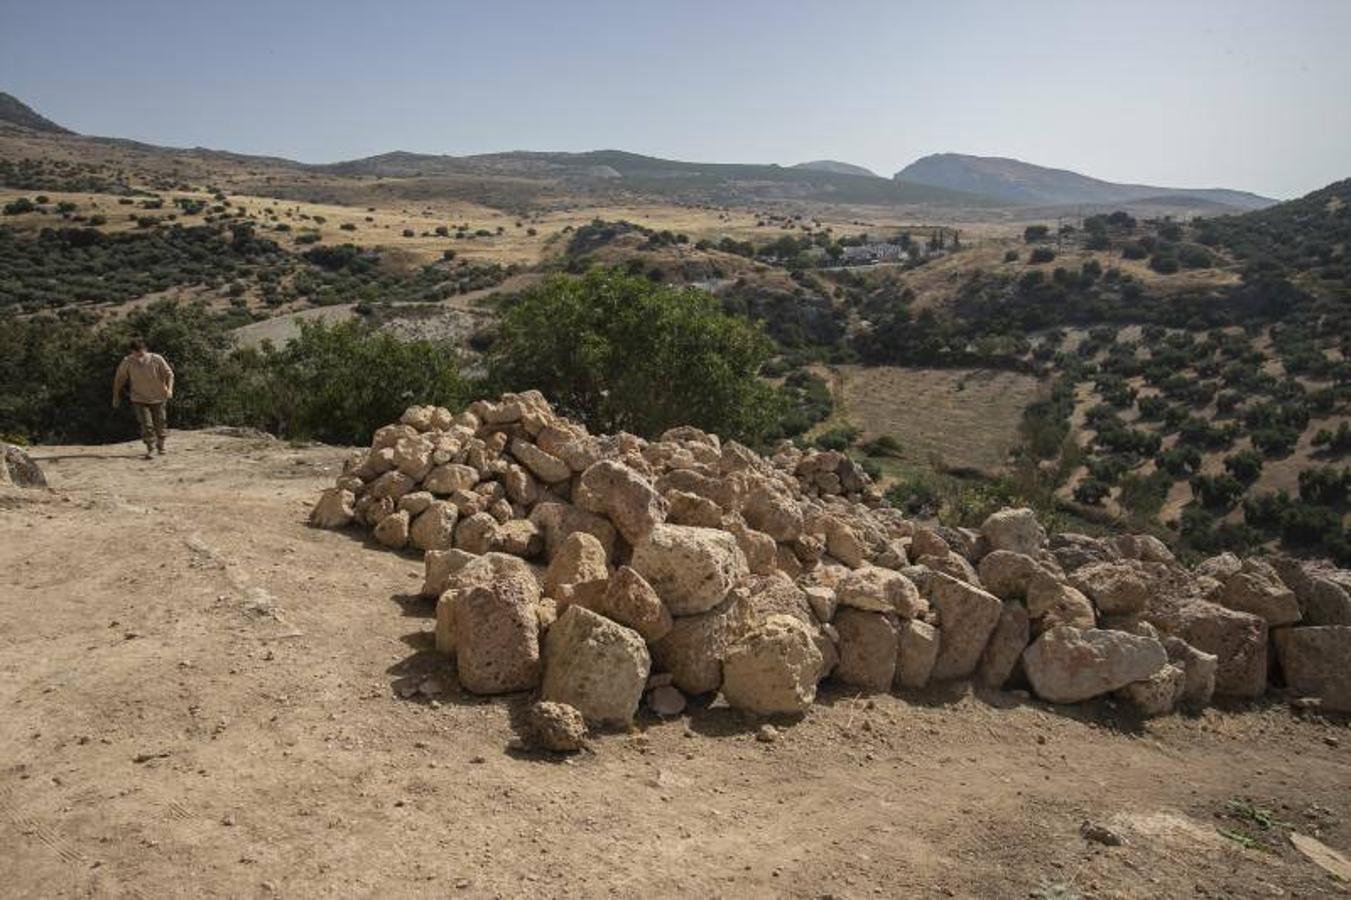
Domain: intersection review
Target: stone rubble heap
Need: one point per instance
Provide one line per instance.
(604, 570)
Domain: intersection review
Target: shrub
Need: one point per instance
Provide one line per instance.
(623, 353)
(1010, 256)
(841, 437)
(883, 445)
(1164, 264)
(1041, 255)
(916, 495)
(1034, 233)
(1091, 491)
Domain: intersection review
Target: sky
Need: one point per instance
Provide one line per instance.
(1188, 93)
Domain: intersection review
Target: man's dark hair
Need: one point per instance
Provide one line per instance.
(138, 343)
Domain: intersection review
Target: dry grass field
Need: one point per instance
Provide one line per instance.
(967, 418)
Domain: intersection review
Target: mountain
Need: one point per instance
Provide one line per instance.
(1014, 181)
(834, 165)
(15, 112)
(616, 171)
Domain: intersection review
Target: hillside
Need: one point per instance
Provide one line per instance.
(15, 112)
(609, 172)
(1014, 181)
(839, 168)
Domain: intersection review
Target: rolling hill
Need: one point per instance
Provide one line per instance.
(15, 112)
(1016, 182)
(839, 168)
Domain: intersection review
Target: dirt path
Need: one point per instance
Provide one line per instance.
(200, 696)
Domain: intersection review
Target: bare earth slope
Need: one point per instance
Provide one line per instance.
(199, 695)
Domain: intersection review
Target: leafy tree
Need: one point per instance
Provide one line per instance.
(623, 353)
(338, 383)
(1245, 465)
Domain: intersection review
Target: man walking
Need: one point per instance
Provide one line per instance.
(152, 384)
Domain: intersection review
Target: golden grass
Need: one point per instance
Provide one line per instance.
(964, 417)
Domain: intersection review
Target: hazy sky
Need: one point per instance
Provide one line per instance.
(1226, 93)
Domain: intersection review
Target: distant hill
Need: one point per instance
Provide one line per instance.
(15, 112)
(1014, 181)
(834, 165)
(610, 171)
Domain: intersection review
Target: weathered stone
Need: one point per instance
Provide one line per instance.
(867, 647)
(952, 564)
(1006, 645)
(693, 650)
(844, 543)
(496, 638)
(685, 508)
(1051, 603)
(519, 537)
(692, 569)
(19, 469)
(876, 589)
(1198, 668)
(391, 485)
(1067, 665)
(627, 598)
(927, 542)
(475, 533)
(1158, 694)
(544, 466)
(434, 528)
(1239, 640)
(917, 651)
(393, 530)
(413, 457)
(466, 571)
(1257, 589)
(1323, 593)
(1219, 567)
(615, 490)
(1014, 529)
(580, 558)
(966, 616)
(823, 601)
(1007, 574)
(556, 727)
(773, 669)
(1316, 662)
(334, 509)
(1116, 588)
(774, 513)
(556, 521)
(439, 566)
(450, 478)
(415, 503)
(666, 700)
(418, 417)
(759, 548)
(596, 665)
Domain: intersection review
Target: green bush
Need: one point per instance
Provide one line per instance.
(883, 445)
(841, 437)
(625, 354)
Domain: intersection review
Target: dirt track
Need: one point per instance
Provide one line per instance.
(200, 696)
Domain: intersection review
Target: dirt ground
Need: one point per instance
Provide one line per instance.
(201, 696)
